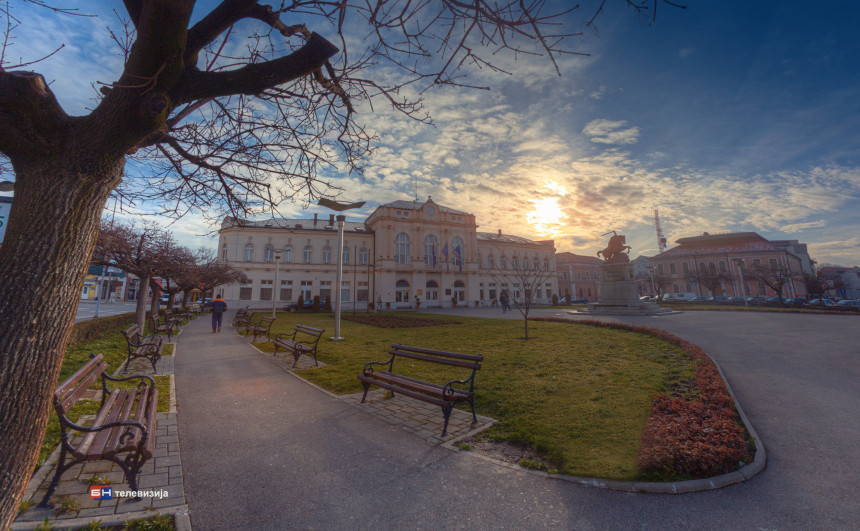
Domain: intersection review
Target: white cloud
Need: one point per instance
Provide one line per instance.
(611, 132)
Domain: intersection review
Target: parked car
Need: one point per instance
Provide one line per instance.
(821, 302)
(718, 298)
(756, 300)
(581, 300)
(736, 299)
(699, 298)
(797, 301)
(646, 298)
(848, 304)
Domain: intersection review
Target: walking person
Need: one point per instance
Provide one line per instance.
(503, 298)
(218, 307)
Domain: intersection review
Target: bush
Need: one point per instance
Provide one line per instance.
(86, 330)
(316, 306)
(300, 304)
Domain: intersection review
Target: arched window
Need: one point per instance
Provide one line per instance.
(224, 252)
(249, 252)
(362, 257)
(308, 255)
(458, 250)
(269, 253)
(401, 248)
(431, 249)
(712, 268)
(326, 255)
(345, 255)
(432, 291)
(401, 291)
(459, 290)
(288, 255)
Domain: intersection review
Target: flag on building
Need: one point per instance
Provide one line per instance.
(459, 258)
(445, 254)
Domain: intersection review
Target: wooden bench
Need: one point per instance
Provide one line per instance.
(259, 328)
(123, 429)
(443, 395)
(140, 346)
(168, 327)
(290, 342)
(243, 315)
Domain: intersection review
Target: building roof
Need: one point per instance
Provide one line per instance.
(294, 224)
(707, 244)
(570, 258)
(508, 238)
(416, 205)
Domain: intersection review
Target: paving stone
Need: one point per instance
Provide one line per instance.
(152, 481)
(166, 461)
(98, 511)
(95, 467)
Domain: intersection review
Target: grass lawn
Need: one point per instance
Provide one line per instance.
(579, 394)
(113, 346)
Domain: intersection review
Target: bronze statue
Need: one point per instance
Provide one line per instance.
(615, 250)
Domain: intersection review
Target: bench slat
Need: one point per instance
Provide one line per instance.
(387, 385)
(82, 387)
(73, 380)
(433, 359)
(455, 355)
(110, 444)
(113, 401)
(419, 385)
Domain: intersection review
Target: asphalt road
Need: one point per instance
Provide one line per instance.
(262, 450)
(87, 309)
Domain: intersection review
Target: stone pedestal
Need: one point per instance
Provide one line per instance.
(619, 294)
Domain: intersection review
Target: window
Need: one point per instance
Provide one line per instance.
(306, 289)
(345, 255)
(288, 255)
(675, 288)
(503, 262)
(459, 291)
(430, 245)
(269, 253)
(265, 290)
(245, 291)
(308, 255)
(586, 275)
(536, 263)
(672, 269)
(722, 267)
(326, 255)
(564, 275)
(492, 288)
(491, 263)
(579, 275)
(286, 290)
(686, 268)
(546, 264)
(516, 291)
(325, 292)
(401, 291)
(249, 253)
(401, 248)
(224, 252)
(772, 263)
(363, 294)
(362, 257)
(345, 289)
(457, 250)
(432, 291)
(660, 268)
(515, 263)
(712, 268)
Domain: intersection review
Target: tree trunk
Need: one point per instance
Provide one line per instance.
(140, 309)
(156, 300)
(52, 231)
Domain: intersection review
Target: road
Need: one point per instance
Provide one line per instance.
(87, 309)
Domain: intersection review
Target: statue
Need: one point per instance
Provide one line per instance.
(616, 250)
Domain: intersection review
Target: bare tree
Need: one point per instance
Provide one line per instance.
(525, 276)
(217, 132)
(212, 273)
(710, 278)
(133, 250)
(776, 277)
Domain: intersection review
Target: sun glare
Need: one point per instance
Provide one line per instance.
(548, 218)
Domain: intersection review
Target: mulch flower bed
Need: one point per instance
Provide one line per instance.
(395, 321)
(696, 435)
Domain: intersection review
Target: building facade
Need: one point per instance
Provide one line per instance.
(725, 265)
(578, 276)
(405, 254)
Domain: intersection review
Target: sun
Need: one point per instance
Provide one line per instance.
(548, 218)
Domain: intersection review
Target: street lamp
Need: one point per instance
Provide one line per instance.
(339, 207)
(740, 263)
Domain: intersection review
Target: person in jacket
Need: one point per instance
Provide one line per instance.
(218, 307)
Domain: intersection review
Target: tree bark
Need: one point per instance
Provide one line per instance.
(52, 231)
(140, 309)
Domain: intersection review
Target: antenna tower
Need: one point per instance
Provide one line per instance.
(661, 240)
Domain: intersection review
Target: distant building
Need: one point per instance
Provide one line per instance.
(405, 252)
(578, 276)
(724, 259)
(844, 281)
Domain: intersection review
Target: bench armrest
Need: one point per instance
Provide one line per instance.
(448, 388)
(369, 365)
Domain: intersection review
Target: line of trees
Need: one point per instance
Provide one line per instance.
(151, 253)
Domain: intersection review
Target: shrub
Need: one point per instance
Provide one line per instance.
(316, 306)
(300, 304)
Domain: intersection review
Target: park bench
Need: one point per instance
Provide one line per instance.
(167, 327)
(259, 328)
(123, 428)
(140, 346)
(243, 315)
(298, 345)
(443, 395)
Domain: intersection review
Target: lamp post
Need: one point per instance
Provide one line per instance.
(740, 263)
(339, 207)
(275, 285)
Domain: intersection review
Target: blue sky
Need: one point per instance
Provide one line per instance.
(727, 116)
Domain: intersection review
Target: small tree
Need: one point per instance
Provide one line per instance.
(710, 278)
(776, 277)
(530, 276)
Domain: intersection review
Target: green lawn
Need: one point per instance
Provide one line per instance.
(580, 394)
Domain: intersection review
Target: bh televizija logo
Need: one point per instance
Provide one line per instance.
(101, 492)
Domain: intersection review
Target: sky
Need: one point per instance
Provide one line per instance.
(726, 116)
